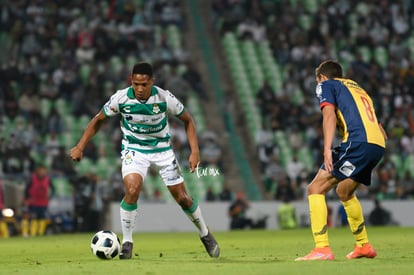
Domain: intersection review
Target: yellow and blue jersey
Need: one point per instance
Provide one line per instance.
(357, 121)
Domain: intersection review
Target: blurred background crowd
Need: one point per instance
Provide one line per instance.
(375, 43)
(61, 60)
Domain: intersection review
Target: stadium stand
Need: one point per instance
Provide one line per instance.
(72, 56)
(299, 34)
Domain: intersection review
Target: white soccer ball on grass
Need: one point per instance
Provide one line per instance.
(105, 244)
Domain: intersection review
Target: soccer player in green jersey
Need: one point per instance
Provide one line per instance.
(144, 109)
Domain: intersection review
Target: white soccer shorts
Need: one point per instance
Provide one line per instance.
(166, 163)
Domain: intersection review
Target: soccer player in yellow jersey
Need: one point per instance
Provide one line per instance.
(346, 106)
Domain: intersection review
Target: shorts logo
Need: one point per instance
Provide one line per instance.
(347, 168)
(128, 160)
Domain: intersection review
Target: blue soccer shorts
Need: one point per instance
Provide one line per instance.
(356, 160)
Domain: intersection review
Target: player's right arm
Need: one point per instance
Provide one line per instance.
(93, 127)
(383, 132)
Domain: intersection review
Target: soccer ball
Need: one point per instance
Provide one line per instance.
(105, 244)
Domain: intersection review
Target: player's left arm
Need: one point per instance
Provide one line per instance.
(329, 128)
(191, 132)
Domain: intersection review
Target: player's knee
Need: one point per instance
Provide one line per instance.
(184, 201)
(343, 195)
(313, 189)
(132, 191)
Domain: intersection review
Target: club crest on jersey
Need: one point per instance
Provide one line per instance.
(319, 93)
(155, 108)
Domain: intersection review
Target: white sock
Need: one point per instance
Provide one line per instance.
(197, 218)
(127, 224)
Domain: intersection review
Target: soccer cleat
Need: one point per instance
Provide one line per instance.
(365, 251)
(211, 245)
(322, 253)
(126, 251)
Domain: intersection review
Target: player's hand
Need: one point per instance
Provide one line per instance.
(194, 161)
(76, 154)
(327, 160)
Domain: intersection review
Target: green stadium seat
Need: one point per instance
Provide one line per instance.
(62, 187)
(63, 107)
(104, 167)
(365, 53)
(194, 106)
(85, 167)
(116, 64)
(399, 164)
(174, 38)
(409, 164)
(305, 157)
(84, 72)
(381, 56)
(311, 6)
(45, 106)
(305, 21)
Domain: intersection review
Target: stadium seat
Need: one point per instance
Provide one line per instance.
(84, 72)
(63, 107)
(409, 164)
(365, 53)
(381, 56)
(104, 167)
(45, 106)
(81, 123)
(62, 187)
(305, 157)
(67, 139)
(194, 106)
(305, 21)
(399, 164)
(85, 167)
(116, 64)
(173, 36)
(311, 6)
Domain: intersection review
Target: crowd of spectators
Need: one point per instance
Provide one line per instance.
(61, 60)
(64, 59)
(374, 42)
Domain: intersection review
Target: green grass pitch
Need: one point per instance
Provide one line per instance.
(242, 252)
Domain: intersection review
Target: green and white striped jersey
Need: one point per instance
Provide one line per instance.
(144, 125)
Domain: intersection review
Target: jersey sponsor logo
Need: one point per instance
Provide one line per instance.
(347, 168)
(146, 130)
(127, 109)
